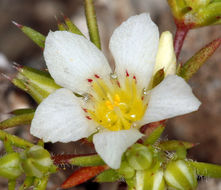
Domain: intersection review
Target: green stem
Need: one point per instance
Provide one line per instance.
(8, 146)
(92, 23)
(14, 140)
(41, 184)
(27, 183)
(11, 184)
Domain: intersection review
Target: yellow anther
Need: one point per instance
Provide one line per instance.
(117, 108)
(109, 105)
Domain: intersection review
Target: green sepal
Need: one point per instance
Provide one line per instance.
(149, 179)
(207, 170)
(125, 170)
(93, 160)
(10, 166)
(158, 77)
(37, 162)
(107, 176)
(155, 135)
(22, 119)
(35, 36)
(37, 84)
(194, 63)
(174, 145)
(180, 175)
(92, 23)
(139, 157)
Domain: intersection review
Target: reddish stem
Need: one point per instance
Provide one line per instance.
(180, 36)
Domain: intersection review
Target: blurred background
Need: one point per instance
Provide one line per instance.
(203, 127)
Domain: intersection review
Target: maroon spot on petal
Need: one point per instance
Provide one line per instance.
(89, 118)
(85, 110)
(90, 80)
(97, 76)
(127, 74)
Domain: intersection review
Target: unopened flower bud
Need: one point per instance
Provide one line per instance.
(10, 166)
(196, 13)
(37, 162)
(151, 180)
(126, 170)
(180, 175)
(139, 157)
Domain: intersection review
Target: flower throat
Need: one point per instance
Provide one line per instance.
(114, 106)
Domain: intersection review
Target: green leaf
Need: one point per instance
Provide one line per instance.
(14, 140)
(37, 84)
(208, 170)
(174, 145)
(35, 36)
(155, 135)
(107, 176)
(71, 26)
(22, 111)
(93, 160)
(92, 23)
(22, 119)
(194, 63)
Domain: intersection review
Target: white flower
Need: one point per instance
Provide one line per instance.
(112, 108)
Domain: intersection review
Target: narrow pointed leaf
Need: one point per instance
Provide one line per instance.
(38, 84)
(155, 135)
(71, 26)
(92, 160)
(22, 119)
(37, 37)
(208, 170)
(174, 145)
(23, 85)
(22, 111)
(92, 23)
(195, 62)
(81, 175)
(14, 140)
(61, 26)
(107, 176)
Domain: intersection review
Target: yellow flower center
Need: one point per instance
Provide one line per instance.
(114, 106)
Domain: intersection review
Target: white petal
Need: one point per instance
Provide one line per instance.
(166, 57)
(110, 145)
(71, 60)
(172, 97)
(60, 118)
(134, 46)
